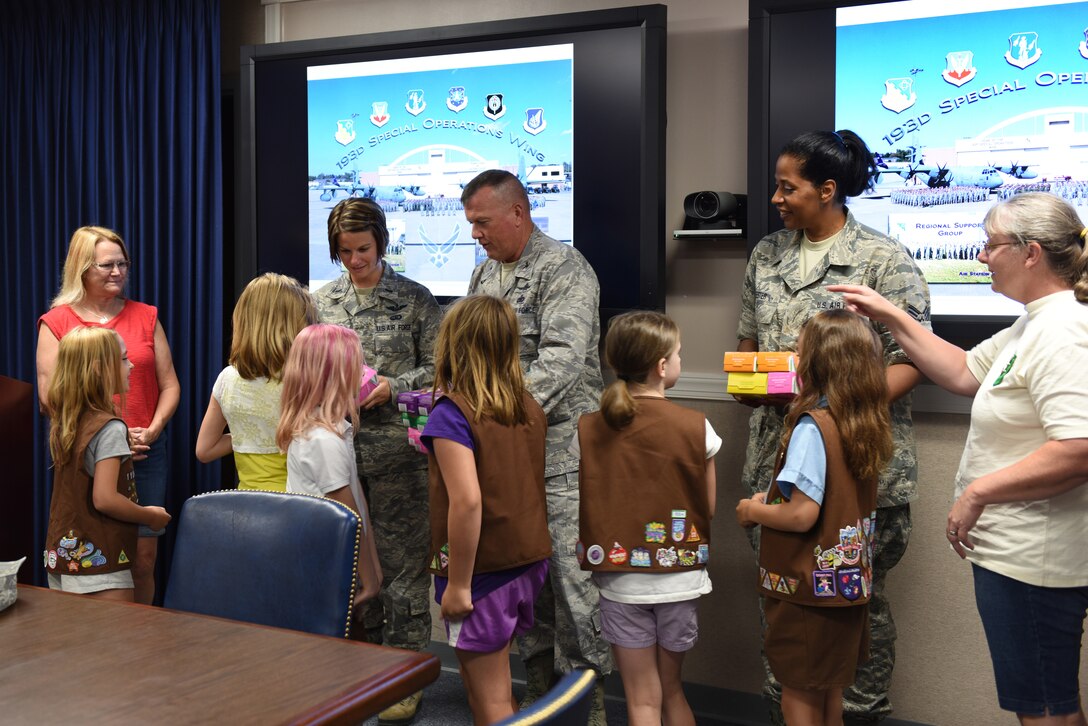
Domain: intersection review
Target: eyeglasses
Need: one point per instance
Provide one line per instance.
(108, 267)
(989, 247)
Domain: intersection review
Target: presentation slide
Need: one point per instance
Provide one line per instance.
(964, 103)
(410, 133)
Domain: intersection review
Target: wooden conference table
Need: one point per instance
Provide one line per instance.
(67, 658)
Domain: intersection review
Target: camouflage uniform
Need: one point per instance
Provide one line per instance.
(776, 301)
(555, 294)
(397, 329)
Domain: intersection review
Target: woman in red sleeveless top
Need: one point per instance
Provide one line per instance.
(92, 295)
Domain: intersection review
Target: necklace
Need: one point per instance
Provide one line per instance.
(102, 318)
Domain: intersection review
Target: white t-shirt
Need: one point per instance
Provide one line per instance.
(642, 588)
(1031, 391)
(319, 462)
(252, 410)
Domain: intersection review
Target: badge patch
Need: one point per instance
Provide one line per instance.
(640, 557)
(765, 583)
(899, 94)
(693, 535)
(791, 583)
(655, 532)
(494, 108)
(345, 131)
(415, 104)
(782, 587)
(122, 559)
(679, 524)
(580, 552)
(823, 583)
(959, 68)
(457, 100)
(666, 556)
(1023, 49)
(534, 121)
(595, 554)
(703, 554)
(850, 545)
(849, 582)
(380, 113)
(51, 560)
(687, 557)
(617, 555)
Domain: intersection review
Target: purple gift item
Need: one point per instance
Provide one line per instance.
(408, 402)
(370, 382)
(425, 402)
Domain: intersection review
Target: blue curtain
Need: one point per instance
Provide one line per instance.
(110, 115)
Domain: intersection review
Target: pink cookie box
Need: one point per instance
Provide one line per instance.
(370, 382)
(781, 383)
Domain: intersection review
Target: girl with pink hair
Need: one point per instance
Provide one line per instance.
(321, 382)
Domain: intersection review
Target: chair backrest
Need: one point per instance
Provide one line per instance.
(566, 704)
(287, 560)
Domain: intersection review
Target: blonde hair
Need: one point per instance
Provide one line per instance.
(477, 356)
(87, 377)
(635, 343)
(321, 382)
(1053, 223)
(79, 260)
(841, 361)
(268, 315)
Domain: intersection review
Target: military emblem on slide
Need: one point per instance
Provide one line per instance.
(534, 121)
(457, 99)
(1023, 49)
(899, 94)
(439, 252)
(345, 131)
(380, 115)
(494, 109)
(959, 67)
(415, 105)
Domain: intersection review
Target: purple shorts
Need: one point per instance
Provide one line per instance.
(500, 614)
(672, 625)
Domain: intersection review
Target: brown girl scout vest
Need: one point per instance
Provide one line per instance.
(830, 565)
(510, 468)
(643, 499)
(80, 539)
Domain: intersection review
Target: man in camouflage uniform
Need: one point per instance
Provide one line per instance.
(397, 322)
(555, 294)
(776, 301)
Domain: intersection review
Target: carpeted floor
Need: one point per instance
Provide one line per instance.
(444, 704)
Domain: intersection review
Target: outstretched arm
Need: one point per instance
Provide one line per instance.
(944, 363)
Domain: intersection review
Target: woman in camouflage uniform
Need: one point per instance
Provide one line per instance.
(785, 284)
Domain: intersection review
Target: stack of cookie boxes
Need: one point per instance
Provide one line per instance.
(764, 374)
(414, 408)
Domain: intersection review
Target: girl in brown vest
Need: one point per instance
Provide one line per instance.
(93, 513)
(489, 529)
(819, 517)
(647, 493)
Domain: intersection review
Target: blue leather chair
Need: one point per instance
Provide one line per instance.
(287, 560)
(566, 704)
